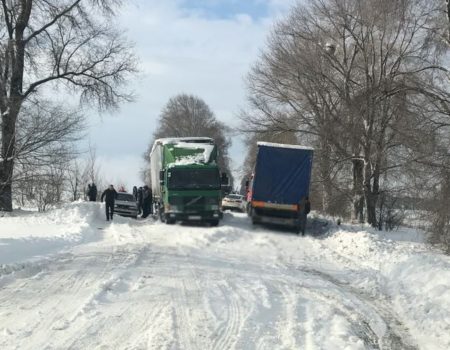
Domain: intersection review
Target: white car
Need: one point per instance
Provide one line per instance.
(233, 202)
(125, 205)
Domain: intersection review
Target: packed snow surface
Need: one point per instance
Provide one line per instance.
(69, 280)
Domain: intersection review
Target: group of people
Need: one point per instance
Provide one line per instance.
(92, 192)
(144, 198)
(142, 195)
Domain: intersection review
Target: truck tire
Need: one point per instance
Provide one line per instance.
(170, 221)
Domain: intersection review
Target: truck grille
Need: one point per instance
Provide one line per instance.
(194, 201)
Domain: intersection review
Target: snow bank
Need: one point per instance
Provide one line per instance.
(415, 277)
(28, 235)
(420, 288)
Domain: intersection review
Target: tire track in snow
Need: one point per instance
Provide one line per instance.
(231, 324)
(362, 312)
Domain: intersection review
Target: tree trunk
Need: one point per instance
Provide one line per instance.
(325, 174)
(7, 158)
(370, 196)
(358, 190)
(9, 116)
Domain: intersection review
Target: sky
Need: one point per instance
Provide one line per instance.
(199, 47)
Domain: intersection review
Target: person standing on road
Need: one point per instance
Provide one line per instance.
(110, 196)
(140, 199)
(92, 192)
(146, 201)
(135, 193)
(304, 211)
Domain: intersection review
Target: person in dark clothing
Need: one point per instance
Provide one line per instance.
(135, 193)
(150, 201)
(139, 199)
(146, 201)
(92, 192)
(305, 208)
(110, 196)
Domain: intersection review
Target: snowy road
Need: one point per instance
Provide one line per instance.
(145, 285)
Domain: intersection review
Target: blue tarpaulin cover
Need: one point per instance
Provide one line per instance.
(282, 173)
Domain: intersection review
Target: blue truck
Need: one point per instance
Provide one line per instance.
(278, 191)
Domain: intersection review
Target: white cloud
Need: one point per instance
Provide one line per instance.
(120, 170)
(182, 51)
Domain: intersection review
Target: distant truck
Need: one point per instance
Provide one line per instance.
(278, 191)
(186, 181)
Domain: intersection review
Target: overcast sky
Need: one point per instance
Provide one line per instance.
(200, 47)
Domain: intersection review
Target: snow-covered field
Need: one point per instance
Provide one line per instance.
(69, 280)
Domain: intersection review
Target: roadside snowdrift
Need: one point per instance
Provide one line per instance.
(28, 235)
(412, 276)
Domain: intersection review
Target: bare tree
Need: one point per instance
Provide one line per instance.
(92, 169)
(189, 116)
(75, 180)
(71, 44)
(349, 76)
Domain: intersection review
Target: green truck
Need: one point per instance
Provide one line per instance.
(186, 180)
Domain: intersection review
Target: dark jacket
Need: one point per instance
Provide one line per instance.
(140, 195)
(307, 206)
(92, 192)
(147, 195)
(109, 195)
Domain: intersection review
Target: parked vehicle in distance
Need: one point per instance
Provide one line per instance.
(234, 202)
(279, 188)
(125, 205)
(186, 181)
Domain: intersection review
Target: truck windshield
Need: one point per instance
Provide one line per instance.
(189, 179)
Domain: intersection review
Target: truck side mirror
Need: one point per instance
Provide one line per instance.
(161, 177)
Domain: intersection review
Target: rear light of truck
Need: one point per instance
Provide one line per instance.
(260, 204)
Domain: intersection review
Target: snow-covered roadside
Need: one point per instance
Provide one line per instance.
(412, 276)
(28, 236)
(235, 286)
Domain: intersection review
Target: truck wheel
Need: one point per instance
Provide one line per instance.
(214, 222)
(170, 221)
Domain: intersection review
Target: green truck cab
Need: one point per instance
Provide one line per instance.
(186, 180)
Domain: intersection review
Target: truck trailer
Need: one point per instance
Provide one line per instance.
(278, 192)
(186, 181)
